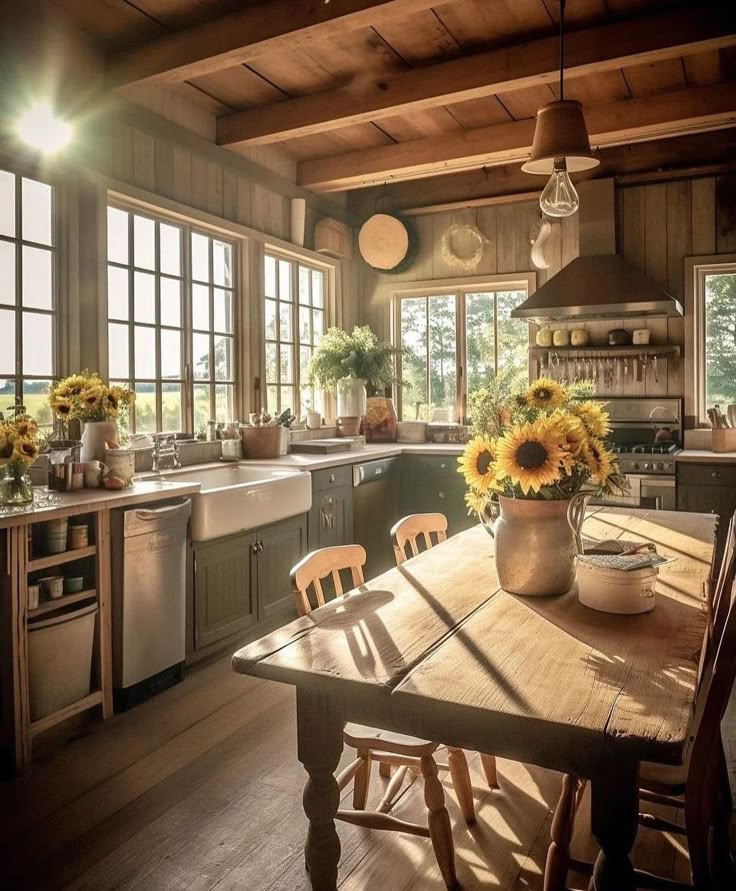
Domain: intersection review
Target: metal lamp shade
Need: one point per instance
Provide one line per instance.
(560, 133)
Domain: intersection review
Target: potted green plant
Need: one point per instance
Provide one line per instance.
(359, 368)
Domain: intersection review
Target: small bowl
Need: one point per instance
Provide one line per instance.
(73, 584)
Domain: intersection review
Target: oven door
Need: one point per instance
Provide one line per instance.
(647, 491)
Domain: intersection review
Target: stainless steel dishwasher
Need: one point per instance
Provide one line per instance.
(149, 564)
(376, 507)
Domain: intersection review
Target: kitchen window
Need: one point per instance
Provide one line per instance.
(28, 299)
(170, 321)
(454, 341)
(294, 312)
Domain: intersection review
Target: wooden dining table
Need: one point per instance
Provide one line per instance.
(437, 649)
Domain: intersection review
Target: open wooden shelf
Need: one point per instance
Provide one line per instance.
(59, 559)
(667, 350)
(48, 606)
(81, 705)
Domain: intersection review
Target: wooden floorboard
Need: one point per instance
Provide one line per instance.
(200, 790)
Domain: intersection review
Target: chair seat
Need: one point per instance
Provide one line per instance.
(668, 779)
(361, 737)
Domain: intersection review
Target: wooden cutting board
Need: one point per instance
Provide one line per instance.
(321, 446)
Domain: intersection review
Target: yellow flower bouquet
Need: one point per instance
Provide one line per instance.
(19, 448)
(544, 442)
(87, 398)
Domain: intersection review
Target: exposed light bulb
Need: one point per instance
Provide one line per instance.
(559, 198)
(40, 128)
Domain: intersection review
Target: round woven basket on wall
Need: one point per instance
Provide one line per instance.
(385, 242)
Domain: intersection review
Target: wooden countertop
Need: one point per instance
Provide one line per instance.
(54, 505)
(705, 456)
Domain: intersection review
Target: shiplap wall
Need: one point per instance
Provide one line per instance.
(657, 226)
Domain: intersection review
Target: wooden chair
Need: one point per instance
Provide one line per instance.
(405, 534)
(699, 787)
(412, 757)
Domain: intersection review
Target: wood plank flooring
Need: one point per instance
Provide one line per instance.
(200, 789)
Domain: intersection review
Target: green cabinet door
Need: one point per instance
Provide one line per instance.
(279, 548)
(708, 489)
(224, 594)
(431, 484)
(331, 518)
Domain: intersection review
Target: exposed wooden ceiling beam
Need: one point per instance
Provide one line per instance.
(604, 48)
(615, 123)
(688, 155)
(244, 35)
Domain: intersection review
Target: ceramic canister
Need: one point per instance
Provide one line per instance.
(78, 537)
(56, 534)
(615, 590)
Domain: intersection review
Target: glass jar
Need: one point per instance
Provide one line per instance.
(16, 486)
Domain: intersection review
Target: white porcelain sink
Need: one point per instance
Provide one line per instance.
(236, 498)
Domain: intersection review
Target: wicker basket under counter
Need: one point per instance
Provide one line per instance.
(267, 441)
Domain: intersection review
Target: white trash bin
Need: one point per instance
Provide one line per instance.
(60, 659)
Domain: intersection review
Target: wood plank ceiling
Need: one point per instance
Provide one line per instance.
(372, 92)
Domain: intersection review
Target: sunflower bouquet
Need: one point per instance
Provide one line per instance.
(87, 398)
(544, 442)
(19, 448)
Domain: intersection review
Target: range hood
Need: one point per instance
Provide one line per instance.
(599, 284)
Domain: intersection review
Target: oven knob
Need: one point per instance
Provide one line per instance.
(636, 465)
(648, 466)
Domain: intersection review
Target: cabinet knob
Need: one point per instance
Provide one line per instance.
(716, 475)
(442, 494)
(443, 465)
(254, 548)
(332, 477)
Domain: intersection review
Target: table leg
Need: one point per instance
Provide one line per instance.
(614, 817)
(319, 740)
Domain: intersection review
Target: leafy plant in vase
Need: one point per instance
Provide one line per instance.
(359, 367)
(533, 452)
(87, 398)
(19, 448)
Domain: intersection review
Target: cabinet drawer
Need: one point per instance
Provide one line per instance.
(434, 466)
(331, 477)
(706, 474)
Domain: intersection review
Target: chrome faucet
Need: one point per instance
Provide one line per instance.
(165, 452)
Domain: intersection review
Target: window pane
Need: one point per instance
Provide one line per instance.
(171, 414)
(318, 279)
(224, 402)
(7, 343)
(36, 208)
(285, 322)
(117, 347)
(201, 356)
(117, 293)
(38, 344)
(36, 401)
(145, 352)
(513, 337)
(270, 277)
(201, 406)
(305, 325)
(7, 272)
(222, 260)
(414, 396)
(271, 319)
(442, 357)
(117, 235)
(144, 297)
(305, 353)
(272, 398)
(200, 307)
(7, 390)
(224, 359)
(720, 339)
(303, 285)
(223, 311)
(318, 325)
(7, 203)
(145, 407)
(200, 257)
(285, 365)
(287, 399)
(170, 302)
(272, 372)
(170, 354)
(144, 241)
(480, 340)
(284, 280)
(170, 249)
(37, 278)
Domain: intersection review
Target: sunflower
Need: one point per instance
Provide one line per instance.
(62, 407)
(25, 450)
(570, 429)
(530, 456)
(111, 403)
(6, 445)
(593, 417)
(476, 464)
(600, 462)
(545, 393)
(73, 385)
(25, 426)
(92, 397)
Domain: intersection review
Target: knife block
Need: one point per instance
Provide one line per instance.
(723, 440)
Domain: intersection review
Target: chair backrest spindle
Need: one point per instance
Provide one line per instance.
(407, 531)
(316, 566)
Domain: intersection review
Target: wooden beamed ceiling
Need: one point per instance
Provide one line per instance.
(361, 92)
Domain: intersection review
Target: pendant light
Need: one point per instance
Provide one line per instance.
(561, 145)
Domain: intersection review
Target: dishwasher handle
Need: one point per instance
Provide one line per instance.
(374, 471)
(141, 520)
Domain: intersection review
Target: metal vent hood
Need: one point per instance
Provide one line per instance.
(598, 284)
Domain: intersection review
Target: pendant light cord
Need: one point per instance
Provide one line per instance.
(562, 48)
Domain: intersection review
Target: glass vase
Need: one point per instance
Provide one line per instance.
(16, 486)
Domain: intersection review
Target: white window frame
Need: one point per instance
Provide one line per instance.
(456, 288)
(696, 270)
(17, 307)
(187, 380)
